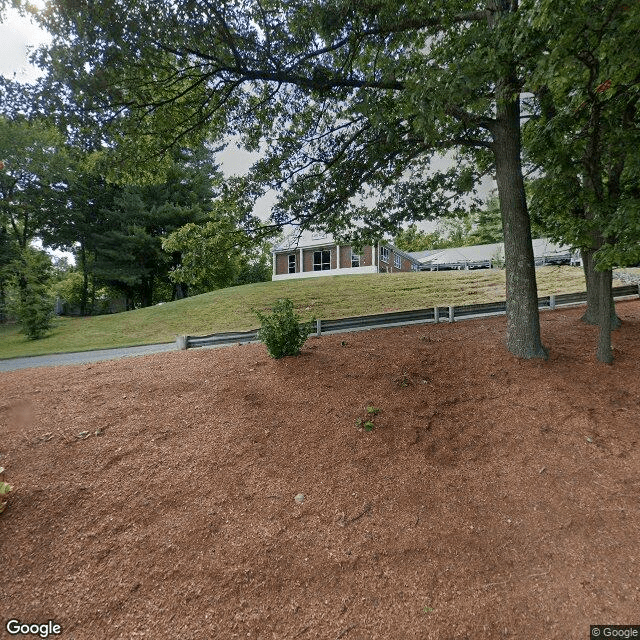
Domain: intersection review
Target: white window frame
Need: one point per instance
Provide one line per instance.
(322, 264)
(292, 263)
(397, 260)
(384, 254)
(355, 259)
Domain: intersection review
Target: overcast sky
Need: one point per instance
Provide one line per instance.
(18, 36)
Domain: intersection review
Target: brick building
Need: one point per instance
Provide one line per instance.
(316, 254)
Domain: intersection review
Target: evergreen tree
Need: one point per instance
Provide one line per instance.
(33, 303)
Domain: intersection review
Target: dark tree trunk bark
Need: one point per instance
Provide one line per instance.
(592, 313)
(180, 291)
(84, 298)
(523, 321)
(146, 292)
(605, 352)
(93, 284)
(3, 303)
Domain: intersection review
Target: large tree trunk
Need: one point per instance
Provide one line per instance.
(3, 302)
(523, 320)
(180, 291)
(604, 352)
(146, 292)
(594, 293)
(93, 283)
(84, 298)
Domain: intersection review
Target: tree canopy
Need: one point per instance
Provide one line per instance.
(585, 140)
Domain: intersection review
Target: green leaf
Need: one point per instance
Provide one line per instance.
(5, 488)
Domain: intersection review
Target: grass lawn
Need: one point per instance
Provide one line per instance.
(326, 298)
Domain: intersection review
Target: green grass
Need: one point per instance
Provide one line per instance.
(325, 298)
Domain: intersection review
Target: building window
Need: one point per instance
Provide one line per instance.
(318, 235)
(384, 254)
(355, 259)
(292, 263)
(397, 261)
(321, 260)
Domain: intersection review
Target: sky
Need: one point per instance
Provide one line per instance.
(18, 35)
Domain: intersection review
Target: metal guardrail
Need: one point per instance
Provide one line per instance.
(399, 318)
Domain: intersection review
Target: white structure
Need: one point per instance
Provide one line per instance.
(485, 256)
(313, 254)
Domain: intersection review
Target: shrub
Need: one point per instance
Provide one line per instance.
(282, 332)
(70, 289)
(4, 490)
(34, 311)
(33, 304)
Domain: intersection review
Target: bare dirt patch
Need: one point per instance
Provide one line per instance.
(495, 498)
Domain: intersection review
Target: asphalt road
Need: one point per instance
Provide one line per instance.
(82, 357)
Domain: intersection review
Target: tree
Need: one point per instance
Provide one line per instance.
(116, 230)
(351, 98)
(33, 167)
(585, 142)
(487, 223)
(214, 253)
(412, 239)
(449, 233)
(33, 304)
(8, 255)
(82, 220)
(255, 265)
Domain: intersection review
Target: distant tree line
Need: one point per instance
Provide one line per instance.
(482, 224)
(141, 243)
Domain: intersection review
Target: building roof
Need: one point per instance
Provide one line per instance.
(484, 253)
(421, 255)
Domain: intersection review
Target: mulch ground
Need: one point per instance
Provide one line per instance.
(222, 494)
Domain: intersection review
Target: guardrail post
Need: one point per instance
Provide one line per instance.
(451, 314)
(552, 301)
(182, 343)
(318, 327)
(436, 314)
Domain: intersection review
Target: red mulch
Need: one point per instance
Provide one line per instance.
(495, 498)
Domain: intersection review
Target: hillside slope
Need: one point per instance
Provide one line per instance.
(496, 498)
(325, 298)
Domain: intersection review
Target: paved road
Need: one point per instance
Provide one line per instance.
(83, 357)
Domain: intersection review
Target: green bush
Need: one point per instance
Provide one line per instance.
(282, 332)
(5, 488)
(34, 310)
(33, 304)
(70, 290)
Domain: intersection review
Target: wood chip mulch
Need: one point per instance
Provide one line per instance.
(155, 497)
